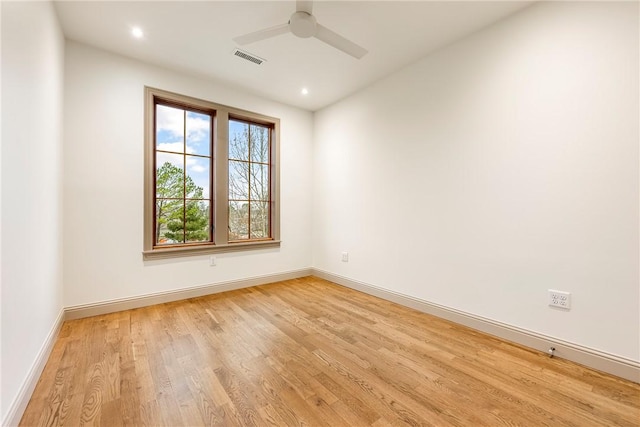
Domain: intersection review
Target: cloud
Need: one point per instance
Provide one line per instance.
(198, 131)
(175, 147)
(197, 168)
(175, 159)
(170, 127)
(170, 120)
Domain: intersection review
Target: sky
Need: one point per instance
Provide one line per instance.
(171, 124)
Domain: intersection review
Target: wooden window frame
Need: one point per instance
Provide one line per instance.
(186, 107)
(250, 162)
(219, 177)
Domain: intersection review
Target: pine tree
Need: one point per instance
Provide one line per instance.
(179, 219)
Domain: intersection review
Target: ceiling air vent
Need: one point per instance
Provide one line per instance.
(249, 57)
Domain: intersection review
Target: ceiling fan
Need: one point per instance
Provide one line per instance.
(303, 24)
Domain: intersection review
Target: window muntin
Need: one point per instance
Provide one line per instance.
(249, 180)
(183, 180)
(192, 136)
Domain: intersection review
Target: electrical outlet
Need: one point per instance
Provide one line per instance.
(212, 261)
(560, 299)
(345, 256)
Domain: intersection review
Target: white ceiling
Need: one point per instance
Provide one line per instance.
(196, 37)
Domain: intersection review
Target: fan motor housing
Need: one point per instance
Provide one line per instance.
(302, 24)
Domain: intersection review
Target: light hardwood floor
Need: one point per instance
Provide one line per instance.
(309, 352)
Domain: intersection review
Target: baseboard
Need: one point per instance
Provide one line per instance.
(19, 404)
(595, 359)
(612, 364)
(112, 306)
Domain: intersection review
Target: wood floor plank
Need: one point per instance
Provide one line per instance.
(349, 404)
(308, 352)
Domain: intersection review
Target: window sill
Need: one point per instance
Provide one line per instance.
(177, 252)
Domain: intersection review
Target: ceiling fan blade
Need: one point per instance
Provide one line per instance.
(304, 6)
(336, 40)
(262, 34)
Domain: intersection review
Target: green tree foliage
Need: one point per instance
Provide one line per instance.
(179, 219)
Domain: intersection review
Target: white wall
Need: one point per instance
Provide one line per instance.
(495, 169)
(103, 179)
(32, 90)
(477, 178)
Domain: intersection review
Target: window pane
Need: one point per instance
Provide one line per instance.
(238, 220)
(249, 175)
(238, 180)
(198, 133)
(260, 220)
(238, 140)
(259, 181)
(169, 175)
(169, 222)
(197, 221)
(198, 180)
(169, 129)
(259, 144)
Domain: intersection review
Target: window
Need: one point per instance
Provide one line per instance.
(249, 177)
(183, 141)
(211, 177)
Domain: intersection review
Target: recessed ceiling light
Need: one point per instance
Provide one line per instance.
(137, 32)
(304, 91)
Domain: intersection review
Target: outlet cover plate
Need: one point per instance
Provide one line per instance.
(560, 299)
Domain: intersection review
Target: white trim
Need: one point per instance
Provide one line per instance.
(19, 404)
(112, 306)
(612, 364)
